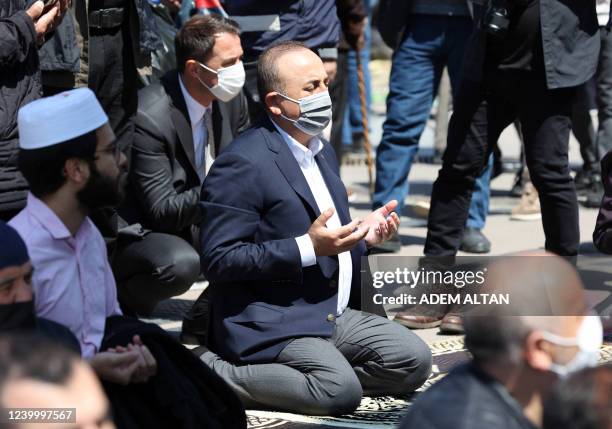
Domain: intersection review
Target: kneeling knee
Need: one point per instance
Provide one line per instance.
(342, 399)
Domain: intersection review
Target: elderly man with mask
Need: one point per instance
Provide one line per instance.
(284, 260)
(182, 123)
(519, 353)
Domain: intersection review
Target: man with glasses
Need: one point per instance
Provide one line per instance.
(69, 157)
(181, 124)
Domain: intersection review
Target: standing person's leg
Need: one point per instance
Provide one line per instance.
(412, 86)
(387, 358)
(310, 376)
(475, 125)
(473, 240)
(582, 127)
(604, 94)
(546, 123)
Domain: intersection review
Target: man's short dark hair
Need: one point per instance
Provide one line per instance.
(196, 39)
(495, 339)
(267, 71)
(44, 168)
(32, 356)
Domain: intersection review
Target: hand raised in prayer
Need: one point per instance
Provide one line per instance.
(328, 242)
(383, 224)
(147, 365)
(116, 367)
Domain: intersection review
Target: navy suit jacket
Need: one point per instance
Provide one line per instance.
(256, 201)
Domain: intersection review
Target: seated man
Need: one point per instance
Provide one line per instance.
(17, 315)
(37, 373)
(517, 359)
(181, 124)
(70, 158)
(285, 272)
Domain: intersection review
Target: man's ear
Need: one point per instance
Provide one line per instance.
(76, 171)
(191, 67)
(537, 352)
(271, 101)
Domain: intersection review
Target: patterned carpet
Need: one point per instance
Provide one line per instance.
(373, 413)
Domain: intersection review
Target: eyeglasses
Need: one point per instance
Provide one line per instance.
(112, 149)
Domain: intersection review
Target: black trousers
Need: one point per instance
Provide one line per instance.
(482, 111)
(114, 78)
(153, 268)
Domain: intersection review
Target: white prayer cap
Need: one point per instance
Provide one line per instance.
(56, 119)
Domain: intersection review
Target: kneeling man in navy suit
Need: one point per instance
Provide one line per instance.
(284, 260)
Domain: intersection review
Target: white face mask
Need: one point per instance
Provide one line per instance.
(230, 81)
(588, 339)
(315, 113)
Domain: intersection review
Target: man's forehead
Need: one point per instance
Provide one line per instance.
(227, 44)
(300, 66)
(12, 272)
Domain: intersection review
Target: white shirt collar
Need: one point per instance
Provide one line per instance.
(195, 109)
(302, 154)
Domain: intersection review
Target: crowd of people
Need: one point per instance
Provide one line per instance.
(147, 145)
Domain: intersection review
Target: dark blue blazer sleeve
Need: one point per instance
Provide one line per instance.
(232, 204)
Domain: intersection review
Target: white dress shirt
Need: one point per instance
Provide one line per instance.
(305, 157)
(198, 131)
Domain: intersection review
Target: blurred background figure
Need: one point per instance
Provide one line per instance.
(583, 401)
(21, 32)
(519, 353)
(37, 373)
(434, 35)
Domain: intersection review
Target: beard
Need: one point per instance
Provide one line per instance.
(102, 191)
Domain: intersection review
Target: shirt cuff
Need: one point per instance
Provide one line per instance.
(307, 253)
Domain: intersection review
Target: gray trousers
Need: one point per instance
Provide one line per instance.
(367, 354)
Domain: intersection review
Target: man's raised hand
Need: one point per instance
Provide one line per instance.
(328, 242)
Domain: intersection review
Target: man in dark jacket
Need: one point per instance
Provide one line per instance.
(284, 260)
(181, 124)
(21, 31)
(529, 73)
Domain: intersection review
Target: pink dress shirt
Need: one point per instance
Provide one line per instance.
(72, 280)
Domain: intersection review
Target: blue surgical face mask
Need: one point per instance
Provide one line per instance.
(315, 113)
(588, 340)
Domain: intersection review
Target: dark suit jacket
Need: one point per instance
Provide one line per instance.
(570, 40)
(256, 201)
(602, 236)
(471, 399)
(164, 184)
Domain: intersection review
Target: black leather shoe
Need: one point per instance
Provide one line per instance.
(474, 241)
(196, 321)
(393, 245)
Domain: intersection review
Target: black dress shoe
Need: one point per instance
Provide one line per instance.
(392, 245)
(474, 241)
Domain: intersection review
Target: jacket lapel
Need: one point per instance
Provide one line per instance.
(288, 165)
(180, 116)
